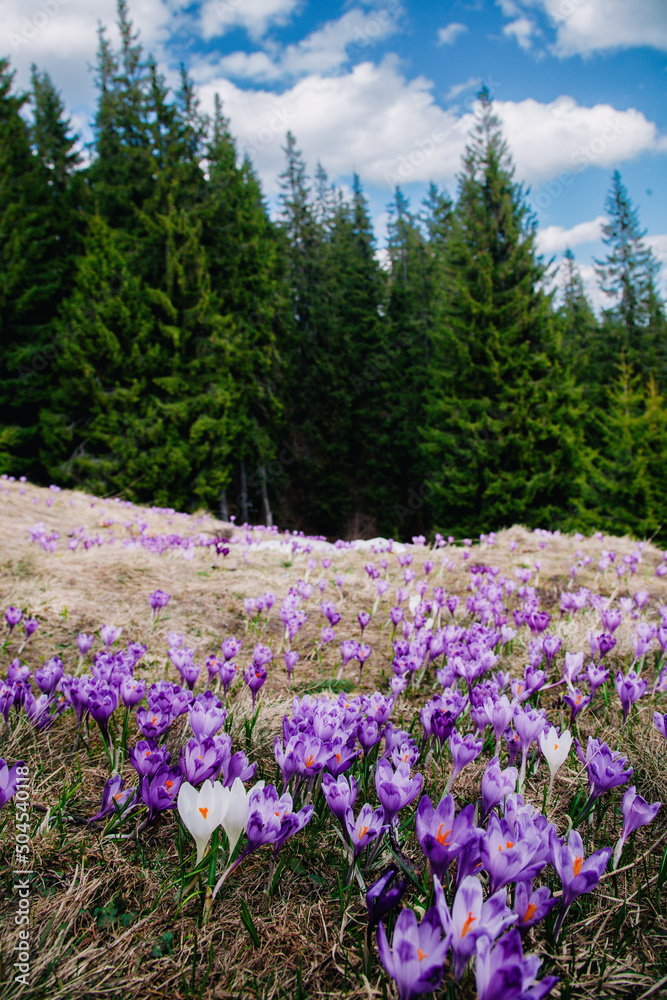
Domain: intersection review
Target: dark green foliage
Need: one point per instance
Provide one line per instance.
(624, 486)
(162, 339)
(39, 236)
(502, 432)
(335, 288)
(634, 326)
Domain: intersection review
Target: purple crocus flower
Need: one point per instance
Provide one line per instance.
(578, 876)
(109, 634)
(369, 734)
(397, 615)
(464, 749)
(271, 819)
(236, 766)
(132, 690)
(207, 715)
(200, 759)
(48, 676)
(311, 755)
(255, 678)
(13, 616)
(551, 644)
(529, 724)
(596, 676)
(574, 664)
(158, 600)
(470, 918)
(577, 702)
(7, 697)
(340, 794)
(382, 897)
(114, 798)
(153, 722)
(102, 703)
(184, 661)
(227, 672)
(84, 642)
(499, 713)
(291, 658)
(660, 723)
(531, 906)
(416, 959)
(364, 619)
(349, 649)
(261, 655)
(10, 780)
(508, 853)
(160, 792)
(343, 753)
(606, 643)
(30, 625)
(605, 767)
(147, 758)
(365, 829)
(441, 834)
(496, 784)
(395, 789)
(629, 689)
(230, 647)
(285, 758)
(611, 619)
(503, 972)
(636, 812)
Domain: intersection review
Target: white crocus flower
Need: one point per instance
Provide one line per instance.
(236, 814)
(555, 749)
(202, 811)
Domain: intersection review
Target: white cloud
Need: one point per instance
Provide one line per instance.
(522, 30)
(448, 35)
(371, 119)
(460, 88)
(217, 17)
(60, 36)
(547, 139)
(555, 239)
(323, 51)
(585, 26)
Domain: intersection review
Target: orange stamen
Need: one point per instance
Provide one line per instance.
(422, 954)
(363, 831)
(577, 865)
(468, 924)
(529, 912)
(168, 784)
(442, 837)
(203, 811)
(309, 760)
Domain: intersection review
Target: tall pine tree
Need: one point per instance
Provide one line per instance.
(501, 436)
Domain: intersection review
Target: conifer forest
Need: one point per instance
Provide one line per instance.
(166, 341)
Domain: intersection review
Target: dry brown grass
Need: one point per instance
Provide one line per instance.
(104, 918)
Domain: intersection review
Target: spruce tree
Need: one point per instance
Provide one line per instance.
(624, 485)
(39, 236)
(415, 247)
(634, 325)
(502, 432)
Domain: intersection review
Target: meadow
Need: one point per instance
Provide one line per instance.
(462, 745)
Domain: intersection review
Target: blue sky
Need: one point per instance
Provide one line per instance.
(387, 88)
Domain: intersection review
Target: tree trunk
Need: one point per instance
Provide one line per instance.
(224, 510)
(243, 495)
(267, 516)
